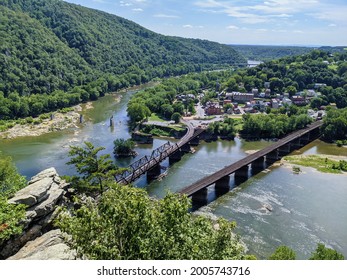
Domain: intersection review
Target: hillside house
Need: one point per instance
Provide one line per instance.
(299, 100)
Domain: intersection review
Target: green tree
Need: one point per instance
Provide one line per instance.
(10, 217)
(10, 214)
(324, 253)
(283, 253)
(166, 110)
(138, 112)
(128, 224)
(94, 168)
(176, 117)
(10, 180)
(292, 90)
(124, 147)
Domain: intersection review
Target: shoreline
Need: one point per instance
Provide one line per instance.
(61, 121)
(294, 161)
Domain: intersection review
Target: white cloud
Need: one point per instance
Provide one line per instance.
(298, 31)
(332, 12)
(129, 3)
(138, 10)
(208, 4)
(189, 26)
(165, 16)
(332, 25)
(125, 4)
(100, 1)
(232, 27)
(275, 10)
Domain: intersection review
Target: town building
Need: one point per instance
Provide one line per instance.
(299, 100)
(275, 104)
(242, 97)
(213, 109)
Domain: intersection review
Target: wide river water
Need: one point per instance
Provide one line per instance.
(306, 209)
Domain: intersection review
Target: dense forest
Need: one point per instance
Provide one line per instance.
(66, 53)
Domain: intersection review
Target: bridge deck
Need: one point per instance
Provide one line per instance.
(144, 164)
(211, 179)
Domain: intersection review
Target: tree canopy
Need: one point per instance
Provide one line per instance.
(95, 168)
(128, 224)
(10, 214)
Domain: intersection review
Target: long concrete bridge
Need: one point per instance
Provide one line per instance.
(257, 161)
(151, 164)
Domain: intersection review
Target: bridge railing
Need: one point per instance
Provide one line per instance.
(139, 167)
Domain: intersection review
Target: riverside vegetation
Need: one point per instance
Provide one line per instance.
(50, 60)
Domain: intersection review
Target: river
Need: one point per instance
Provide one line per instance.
(306, 208)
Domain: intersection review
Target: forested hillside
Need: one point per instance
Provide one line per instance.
(67, 53)
(33, 60)
(267, 53)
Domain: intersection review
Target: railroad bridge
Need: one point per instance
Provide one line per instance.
(254, 163)
(151, 164)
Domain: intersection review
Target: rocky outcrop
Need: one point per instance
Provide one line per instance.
(50, 246)
(43, 193)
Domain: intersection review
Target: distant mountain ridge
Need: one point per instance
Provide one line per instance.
(268, 53)
(54, 45)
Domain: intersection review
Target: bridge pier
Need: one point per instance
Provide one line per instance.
(257, 166)
(241, 175)
(195, 141)
(176, 156)
(305, 139)
(284, 150)
(314, 134)
(272, 157)
(153, 173)
(185, 148)
(200, 197)
(222, 186)
(296, 144)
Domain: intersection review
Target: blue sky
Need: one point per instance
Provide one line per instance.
(268, 22)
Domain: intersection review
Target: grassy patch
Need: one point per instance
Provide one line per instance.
(159, 132)
(155, 118)
(177, 127)
(322, 164)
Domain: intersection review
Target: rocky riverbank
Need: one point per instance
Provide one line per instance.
(59, 121)
(39, 240)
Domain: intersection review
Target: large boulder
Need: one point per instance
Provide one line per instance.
(47, 206)
(50, 246)
(43, 194)
(33, 193)
(47, 173)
